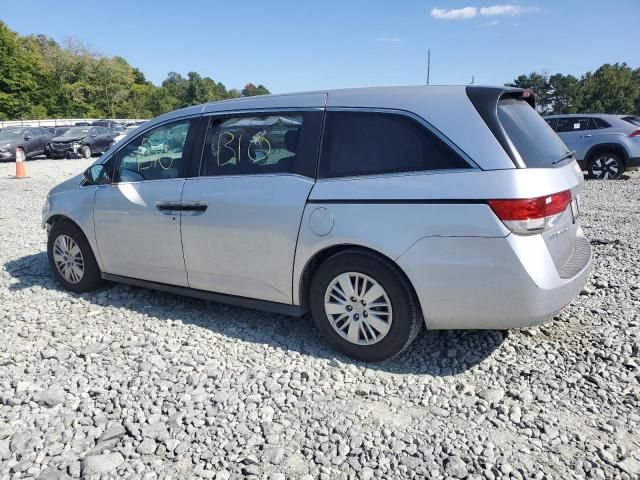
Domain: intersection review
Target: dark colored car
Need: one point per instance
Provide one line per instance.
(109, 125)
(31, 140)
(77, 142)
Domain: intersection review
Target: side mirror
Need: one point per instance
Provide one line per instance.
(96, 175)
(27, 137)
(94, 135)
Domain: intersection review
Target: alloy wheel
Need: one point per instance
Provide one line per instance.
(68, 259)
(358, 308)
(606, 168)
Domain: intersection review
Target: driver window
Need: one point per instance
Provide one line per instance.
(155, 155)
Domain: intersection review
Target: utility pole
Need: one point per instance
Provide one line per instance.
(428, 65)
(473, 79)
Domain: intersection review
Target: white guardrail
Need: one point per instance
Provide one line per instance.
(54, 122)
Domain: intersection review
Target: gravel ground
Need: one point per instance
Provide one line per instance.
(131, 383)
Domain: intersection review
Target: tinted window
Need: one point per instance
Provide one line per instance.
(632, 120)
(572, 124)
(269, 143)
(369, 143)
(599, 123)
(534, 140)
(157, 154)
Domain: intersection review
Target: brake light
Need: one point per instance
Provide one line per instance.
(635, 134)
(528, 216)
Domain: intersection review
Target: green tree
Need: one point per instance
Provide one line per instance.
(42, 78)
(611, 89)
(564, 93)
(250, 90)
(539, 85)
(18, 79)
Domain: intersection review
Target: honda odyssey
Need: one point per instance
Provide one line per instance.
(376, 209)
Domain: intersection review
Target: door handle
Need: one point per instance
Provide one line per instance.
(194, 208)
(168, 208)
(586, 136)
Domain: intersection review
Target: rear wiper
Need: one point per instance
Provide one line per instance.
(570, 153)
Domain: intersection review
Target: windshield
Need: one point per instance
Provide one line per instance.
(536, 142)
(75, 132)
(633, 120)
(12, 134)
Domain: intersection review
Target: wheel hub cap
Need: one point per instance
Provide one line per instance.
(358, 308)
(606, 168)
(68, 259)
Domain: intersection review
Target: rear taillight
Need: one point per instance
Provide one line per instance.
(529, 216)
(635, 134)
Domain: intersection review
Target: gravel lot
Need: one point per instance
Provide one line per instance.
(131, 383)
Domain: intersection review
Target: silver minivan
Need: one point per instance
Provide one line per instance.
(376, 209)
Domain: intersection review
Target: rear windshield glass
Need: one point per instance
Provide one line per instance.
(634, 120)
(535, 140)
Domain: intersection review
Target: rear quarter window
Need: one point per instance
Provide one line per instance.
(632, 120)
(370, 143)
(535, 141)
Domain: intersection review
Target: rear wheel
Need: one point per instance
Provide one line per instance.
(71, 258)
(86, 151)
(606, 166)
(364, 306)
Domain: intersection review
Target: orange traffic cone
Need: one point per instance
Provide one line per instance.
(21, 170)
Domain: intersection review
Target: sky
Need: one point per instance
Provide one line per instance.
(301, 45)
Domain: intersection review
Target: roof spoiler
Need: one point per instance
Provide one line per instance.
(485, 100)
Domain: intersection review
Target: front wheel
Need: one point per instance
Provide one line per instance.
(606, 166)
(86, 151)
(364, 306)
(71, 258)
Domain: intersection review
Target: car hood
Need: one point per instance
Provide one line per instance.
(69, 184)
(7, 145)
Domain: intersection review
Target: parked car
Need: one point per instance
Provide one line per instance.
(376, 209)
(110, 125)
(78, 142)
(605, 145)
(30, 140)
(126, 132)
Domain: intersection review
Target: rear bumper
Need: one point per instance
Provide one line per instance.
(490, 283)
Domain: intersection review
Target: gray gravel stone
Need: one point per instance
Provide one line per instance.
(101, 464)
(50, 397)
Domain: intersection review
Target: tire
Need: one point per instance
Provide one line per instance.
(86, 151)
(606, 166)
(364, 270)
(90, 277)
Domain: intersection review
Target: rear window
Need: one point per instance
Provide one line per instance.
(371, 143)
(633, 120)
(533, 138)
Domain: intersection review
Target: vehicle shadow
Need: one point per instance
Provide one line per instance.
(438, 353)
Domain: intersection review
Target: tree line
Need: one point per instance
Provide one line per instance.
(39, 78)
(612, 88)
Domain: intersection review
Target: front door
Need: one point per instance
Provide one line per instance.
(137, 216)
(241, 215)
